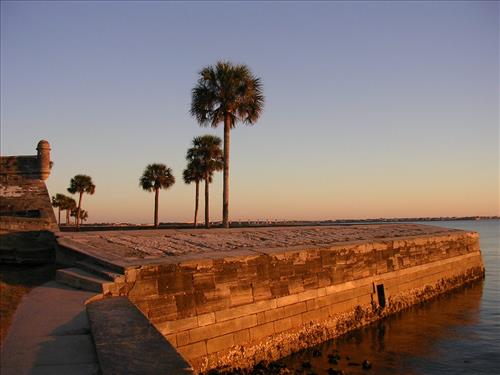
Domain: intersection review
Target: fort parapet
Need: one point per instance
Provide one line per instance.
(235, 297)
(24, 200)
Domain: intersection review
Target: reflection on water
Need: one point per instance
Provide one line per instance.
(397, 344)
(458, 333)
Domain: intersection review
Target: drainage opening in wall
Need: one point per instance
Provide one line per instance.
(381, 295)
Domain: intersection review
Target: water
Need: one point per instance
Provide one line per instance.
(458, 333)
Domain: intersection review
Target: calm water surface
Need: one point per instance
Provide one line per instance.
(455, 334)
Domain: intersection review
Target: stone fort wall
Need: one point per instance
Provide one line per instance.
(208, 307)
(24, 200)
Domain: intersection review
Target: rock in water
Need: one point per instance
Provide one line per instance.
(332, 360)
(366, 364)
(260, 366)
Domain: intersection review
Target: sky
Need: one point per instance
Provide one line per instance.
(373, 109)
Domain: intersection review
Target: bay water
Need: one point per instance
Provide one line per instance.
(457, 333)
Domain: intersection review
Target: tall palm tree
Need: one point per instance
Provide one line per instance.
(81, 184)
(227, 93)
(58, 201)
(194, 173)
(154, 178)
(207, 152)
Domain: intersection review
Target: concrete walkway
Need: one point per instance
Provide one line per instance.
(50, 334)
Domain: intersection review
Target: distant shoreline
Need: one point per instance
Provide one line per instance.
(272, 223)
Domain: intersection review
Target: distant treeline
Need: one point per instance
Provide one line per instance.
(268, 223)
(405, 219)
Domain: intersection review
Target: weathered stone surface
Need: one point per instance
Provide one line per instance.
(206, 319)
(179, 325)
(220, 343)
(299, 242)
(222, 328)
(126, 343)
(287, 300)
(248, 309)
(282, 325)
(261, 331)
(242, 337)
(195, 350)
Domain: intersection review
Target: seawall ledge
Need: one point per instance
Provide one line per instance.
(234, 298)
(140, 248)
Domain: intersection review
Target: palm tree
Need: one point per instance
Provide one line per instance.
(154, 178)
(194, 173)
(58, 201)
(227, 93)
(68, 204)
(81, 184)
(207, 152)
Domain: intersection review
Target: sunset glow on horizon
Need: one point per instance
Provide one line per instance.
(372, 109)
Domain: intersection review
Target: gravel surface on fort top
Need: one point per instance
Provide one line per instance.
(171, 243)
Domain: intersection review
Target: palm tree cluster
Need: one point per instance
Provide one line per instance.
(224, 93)
(204, 158)
(63, 203)
(194, 173)
(80, 184)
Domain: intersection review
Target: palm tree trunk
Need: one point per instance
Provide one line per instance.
(67, 216)
(225, 191)
(157, 193)
(78, 211)
(197, 196)
(59, 216)
(207, 220)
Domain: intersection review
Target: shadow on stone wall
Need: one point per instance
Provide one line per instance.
(32, 247)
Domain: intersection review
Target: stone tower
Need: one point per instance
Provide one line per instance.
(43, 156)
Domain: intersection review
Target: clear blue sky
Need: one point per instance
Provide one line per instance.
(372, 109)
